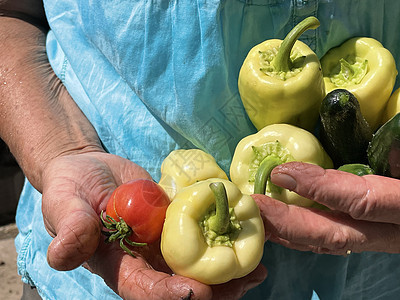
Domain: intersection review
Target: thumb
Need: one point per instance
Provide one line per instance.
(76, 232)
(369, 197)
(75, 189)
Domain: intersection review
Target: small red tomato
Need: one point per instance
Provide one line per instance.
(141, 205)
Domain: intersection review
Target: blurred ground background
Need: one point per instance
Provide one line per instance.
(11, 181)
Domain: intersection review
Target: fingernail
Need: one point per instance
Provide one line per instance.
(284, 180)
(189, 296)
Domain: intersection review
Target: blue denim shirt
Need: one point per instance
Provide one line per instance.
(153, 76)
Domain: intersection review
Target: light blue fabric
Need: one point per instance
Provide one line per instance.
(153, 76)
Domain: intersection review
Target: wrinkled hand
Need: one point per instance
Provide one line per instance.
(76, 189)
(364, 211)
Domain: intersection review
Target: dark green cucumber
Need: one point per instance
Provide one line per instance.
(384, 149)
(344, 133)
(357, 169)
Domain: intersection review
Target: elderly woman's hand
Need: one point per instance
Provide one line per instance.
(364, 211)
(76, 188)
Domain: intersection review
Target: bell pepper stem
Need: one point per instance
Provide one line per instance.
(282, 61)
(346, 68)
(219, 222)
(264, 172)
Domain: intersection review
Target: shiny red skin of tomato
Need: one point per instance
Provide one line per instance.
(142, 204)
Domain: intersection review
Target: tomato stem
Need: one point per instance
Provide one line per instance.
(118, 230)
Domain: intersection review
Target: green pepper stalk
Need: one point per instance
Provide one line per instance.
(282, 82)
(264, 172)
(219, 225)
(282, 61)
(219, 222)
